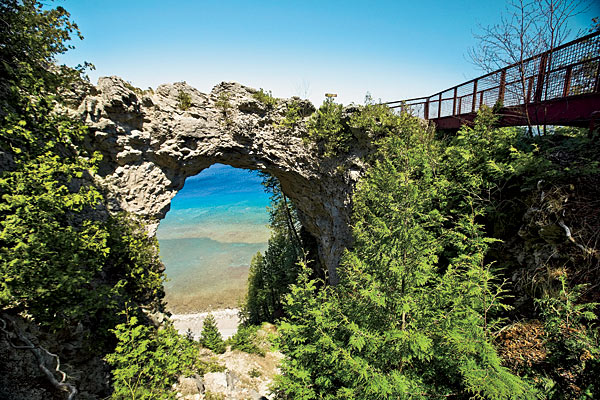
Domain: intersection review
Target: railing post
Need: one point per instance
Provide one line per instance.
(598, 78)
(567, 85)
(454, 102)
(474, 96)
(426, 110)
(529, 89)
(502, 87)
(440, 107)
(460, 105)
(539, 90)
(481, 98)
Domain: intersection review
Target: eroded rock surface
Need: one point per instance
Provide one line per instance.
(151, 145)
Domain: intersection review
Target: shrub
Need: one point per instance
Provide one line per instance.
(147, 362)
(325, 128)
(266, 98)
(210, 336)
(224, 105)
(271, 274)
(254, 373)
(292, 115)
(245, 339)
(184, 100)
(213, 396)
(572, 344)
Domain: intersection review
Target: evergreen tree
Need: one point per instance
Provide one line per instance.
(270, 275)
(404, 322)
(210, 336)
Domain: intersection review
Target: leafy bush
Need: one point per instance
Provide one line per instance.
(266, 98)
(334, 133)
(147, 362)
(210, 336)
(326, 128)
(245, 340)
(572, 345)
(292, 115)
(213, 396)
(184, 100)
(224, 105)
(223, 101)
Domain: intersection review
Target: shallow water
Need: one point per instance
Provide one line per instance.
(217, 222)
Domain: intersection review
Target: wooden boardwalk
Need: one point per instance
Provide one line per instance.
(557, 87)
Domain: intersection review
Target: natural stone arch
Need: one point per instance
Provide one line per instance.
(150, 146)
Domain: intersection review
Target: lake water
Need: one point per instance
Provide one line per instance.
(217, 222)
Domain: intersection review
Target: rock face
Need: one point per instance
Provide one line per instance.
(152, 141)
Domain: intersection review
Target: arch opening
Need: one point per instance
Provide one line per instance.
(150, 145)
(217, 222)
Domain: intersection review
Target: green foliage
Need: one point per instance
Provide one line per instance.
(213, 396)
(489, 157)
(138, 90)
(376, 121)
(266, 98)
(268, 280)
(334, 133)
(572, 345)
(210, 336)
(44, 258)
(292, 115)
(223, 101)
(271, 274)
(31, 37)
(246, 340)
(413, 315)
(58, 248)
(146, 362)
(134, 261)
(63, 259)
(224, 105)
(326, 129)
(184, 100)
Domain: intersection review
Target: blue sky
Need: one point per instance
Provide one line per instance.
(392, 49)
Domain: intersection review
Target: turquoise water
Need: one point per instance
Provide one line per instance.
(217, 222)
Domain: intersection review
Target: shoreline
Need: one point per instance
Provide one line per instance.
(227, 322)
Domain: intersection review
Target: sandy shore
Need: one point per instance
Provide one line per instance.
(227, 322)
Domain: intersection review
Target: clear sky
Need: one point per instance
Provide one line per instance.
(392, 49)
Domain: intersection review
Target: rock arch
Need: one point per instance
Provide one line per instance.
(150, 146)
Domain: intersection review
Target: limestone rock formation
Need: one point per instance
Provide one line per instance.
(153, 141)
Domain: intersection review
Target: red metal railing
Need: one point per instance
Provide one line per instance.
(568, 70)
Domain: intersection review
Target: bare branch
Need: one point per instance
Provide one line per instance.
(40, 354)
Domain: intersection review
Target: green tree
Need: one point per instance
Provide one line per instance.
(270, 275)
(31, 36)
(210, 336)
(413, 314)
(146, 361)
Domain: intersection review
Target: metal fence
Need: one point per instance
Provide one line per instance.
(568, 70)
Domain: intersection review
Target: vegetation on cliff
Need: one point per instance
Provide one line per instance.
(426, 299)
